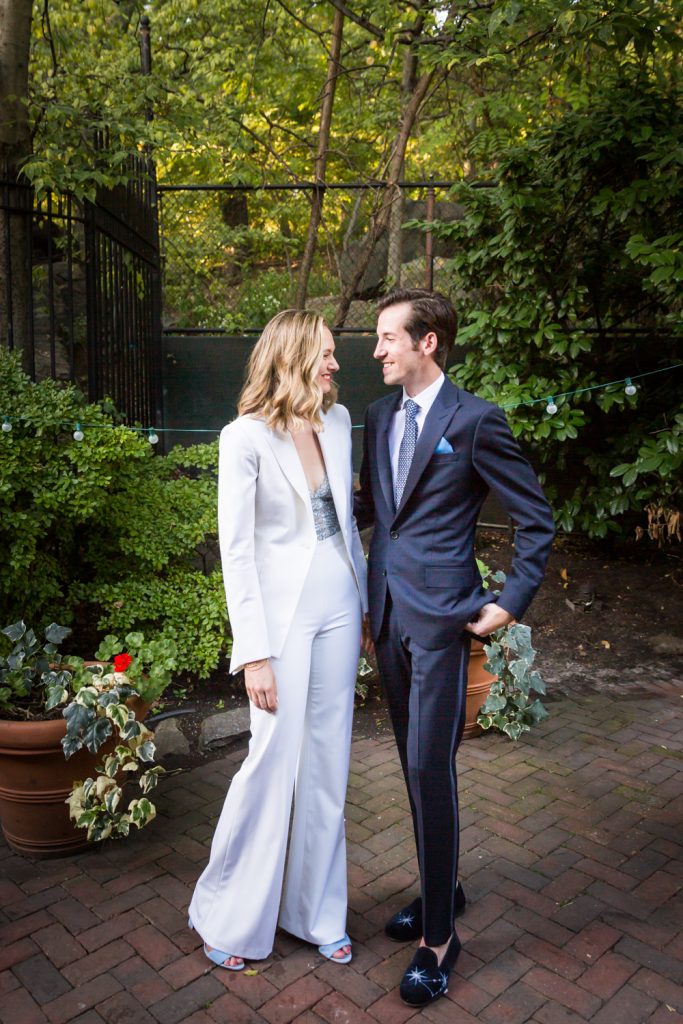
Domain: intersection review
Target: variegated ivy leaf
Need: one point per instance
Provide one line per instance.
(97, 732)
(75, 800)
(118, 714)
(112, 799)
(87, 696)
(537, 683)
(56, 694)
(112, 765)
(130, 730)
(150, 778)
(146, 751)
(141, 811)
(514, 730)
(537, 711)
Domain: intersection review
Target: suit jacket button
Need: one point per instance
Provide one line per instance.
(394, 534)
(384, 572)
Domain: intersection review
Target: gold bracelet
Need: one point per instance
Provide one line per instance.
(253, 665)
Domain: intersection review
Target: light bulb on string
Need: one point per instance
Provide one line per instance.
(78, 434)
(152, 436)
(630, 388)
(551, 408)
(6, 425)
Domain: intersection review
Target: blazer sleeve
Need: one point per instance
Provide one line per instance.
(237, 475)
(357, 553)
(500, 463)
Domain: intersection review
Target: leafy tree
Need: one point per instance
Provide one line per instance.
(569, 273)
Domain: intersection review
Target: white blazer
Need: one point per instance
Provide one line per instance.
(266, 530)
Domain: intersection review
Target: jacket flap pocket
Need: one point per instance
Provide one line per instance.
(454, 577)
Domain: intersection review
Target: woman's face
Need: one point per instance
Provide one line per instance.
(328, 364)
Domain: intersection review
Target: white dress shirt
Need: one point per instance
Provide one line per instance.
(424, 400)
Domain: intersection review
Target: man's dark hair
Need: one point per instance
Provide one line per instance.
(430, 311)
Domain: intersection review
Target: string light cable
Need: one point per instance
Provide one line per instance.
(152, 433)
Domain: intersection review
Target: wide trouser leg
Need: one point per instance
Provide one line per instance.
(237, 898)
(314, 900)
(426, 692)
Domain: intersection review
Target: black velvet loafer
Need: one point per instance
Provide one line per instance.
(426, 979)
(406, 925)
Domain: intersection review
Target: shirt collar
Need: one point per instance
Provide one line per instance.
(425, 399)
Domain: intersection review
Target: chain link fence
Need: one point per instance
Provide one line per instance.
(232, 255)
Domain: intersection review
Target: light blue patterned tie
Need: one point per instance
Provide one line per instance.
(407, 449)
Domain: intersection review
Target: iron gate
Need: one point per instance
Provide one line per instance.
(80, 289)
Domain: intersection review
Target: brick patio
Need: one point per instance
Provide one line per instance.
(571, 860)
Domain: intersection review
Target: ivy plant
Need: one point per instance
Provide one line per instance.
(512, 705)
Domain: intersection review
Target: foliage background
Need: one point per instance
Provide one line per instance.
(567, 273)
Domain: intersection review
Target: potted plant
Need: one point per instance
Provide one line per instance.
(501, 681)
(70, 732)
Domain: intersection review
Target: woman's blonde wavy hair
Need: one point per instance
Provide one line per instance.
(281, 381)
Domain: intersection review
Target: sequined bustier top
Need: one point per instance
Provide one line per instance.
(324, 513)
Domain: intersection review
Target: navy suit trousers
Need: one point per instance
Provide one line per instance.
(426, 691)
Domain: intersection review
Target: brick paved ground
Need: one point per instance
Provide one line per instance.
(571, 860)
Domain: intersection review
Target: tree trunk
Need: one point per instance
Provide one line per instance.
(333, 68)
(380, 221)
(395, 246)
(15, 204)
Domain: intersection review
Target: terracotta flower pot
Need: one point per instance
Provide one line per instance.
(478, 686)
(35, 781)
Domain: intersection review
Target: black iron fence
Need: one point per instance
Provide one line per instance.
(232, 254)
(80, 289)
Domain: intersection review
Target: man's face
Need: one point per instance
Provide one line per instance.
(401, 364)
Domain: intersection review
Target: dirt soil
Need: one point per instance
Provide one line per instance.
(606, 619)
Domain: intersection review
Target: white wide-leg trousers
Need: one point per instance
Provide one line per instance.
(302, 748)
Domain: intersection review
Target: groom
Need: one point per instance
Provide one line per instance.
(431, 453)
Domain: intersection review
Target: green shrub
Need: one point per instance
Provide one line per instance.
(104, 526)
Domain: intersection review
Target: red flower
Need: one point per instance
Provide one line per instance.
(121, 662)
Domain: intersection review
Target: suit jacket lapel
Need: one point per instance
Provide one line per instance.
(384, 421)
(289, 462)
(438, 418)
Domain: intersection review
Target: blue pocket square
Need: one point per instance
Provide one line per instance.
(443, 447)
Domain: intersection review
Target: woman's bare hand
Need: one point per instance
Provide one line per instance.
(366, 641)
(261, 686)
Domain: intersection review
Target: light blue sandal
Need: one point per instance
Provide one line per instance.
(332, 947)
(218, 957)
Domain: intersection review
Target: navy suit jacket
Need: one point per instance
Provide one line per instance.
(423, 551)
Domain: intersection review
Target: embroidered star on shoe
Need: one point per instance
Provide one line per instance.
(407, 919)
(416, 976)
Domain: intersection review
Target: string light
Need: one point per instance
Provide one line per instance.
(551, 407)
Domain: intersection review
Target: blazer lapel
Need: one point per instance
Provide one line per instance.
(438, 418)
(289, 462)
(333, 449)
(383, 456)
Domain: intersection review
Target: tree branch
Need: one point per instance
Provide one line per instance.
(343, 8)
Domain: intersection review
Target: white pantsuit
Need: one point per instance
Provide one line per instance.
(298, 601)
